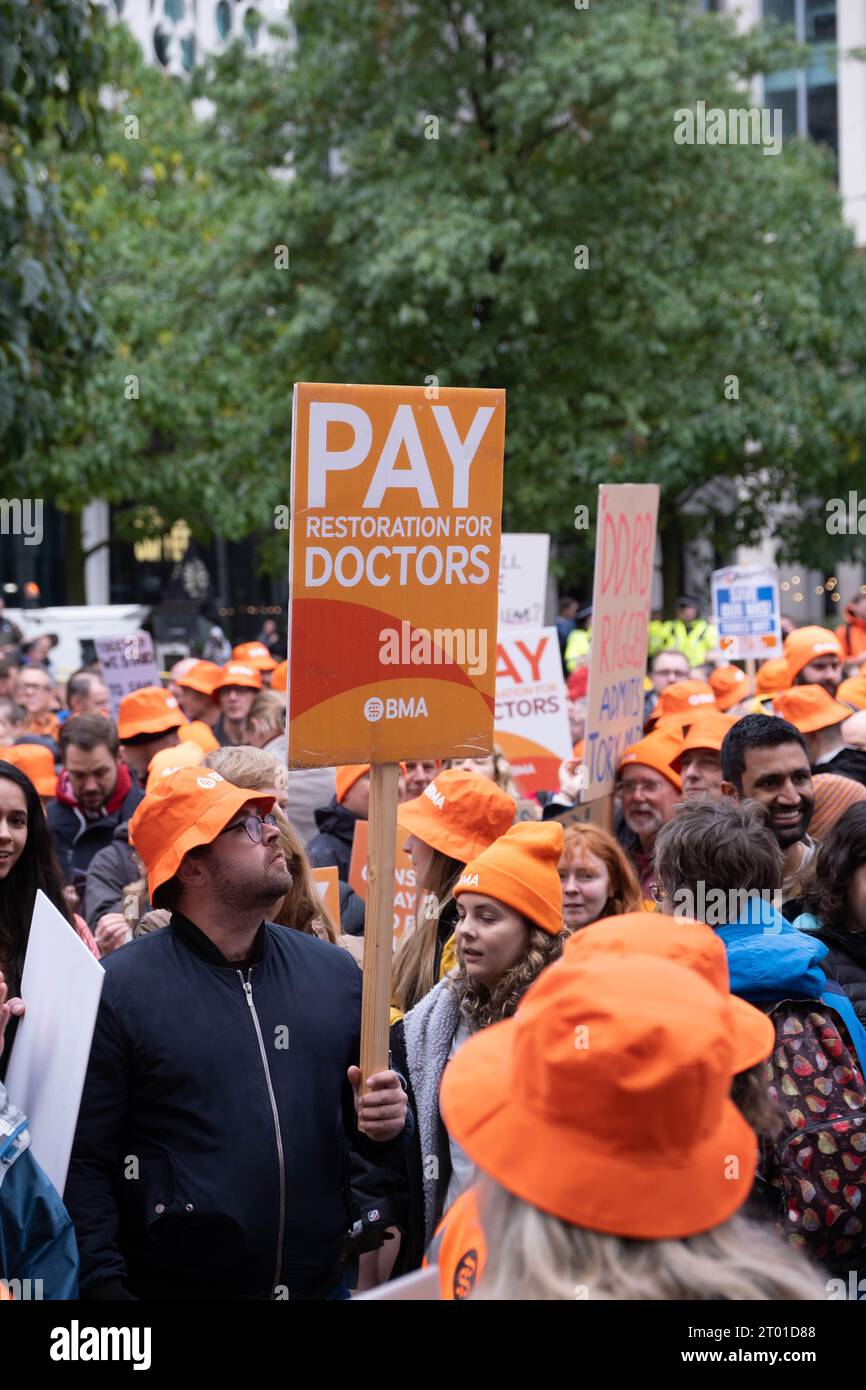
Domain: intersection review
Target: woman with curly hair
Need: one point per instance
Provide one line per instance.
(597, 877)
(509, 927)
(835, 903)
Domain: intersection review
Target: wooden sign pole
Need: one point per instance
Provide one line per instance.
(379, 922)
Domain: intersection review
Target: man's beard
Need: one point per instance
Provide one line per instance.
(260, 891)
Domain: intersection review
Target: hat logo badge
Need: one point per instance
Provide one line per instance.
(207, 783)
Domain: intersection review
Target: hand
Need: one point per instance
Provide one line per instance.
(569, 781)
(382, 1111)
(10, 1007)
(112, 930)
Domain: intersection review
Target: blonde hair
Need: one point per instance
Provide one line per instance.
(535, 1257)
(413, 972)
(502, 774)
(301, 908)
(269, 712)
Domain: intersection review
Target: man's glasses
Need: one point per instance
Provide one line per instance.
(253, 825)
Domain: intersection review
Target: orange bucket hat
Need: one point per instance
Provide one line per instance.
(150, 710)
(196, 731)
(772, 676)
(694, 945)
(459, 814)
(254, 654)
(239, 673)
(280, 678)
(683, 700)
(729, 685)
(170, 760)
(203, 677)
(36, 762)
(187, 809)
(347, 775)
(618, 1070)
(853, 691)
(805, 643)
(521, 869)
(707, 732)
(809, 708)
(657, 750)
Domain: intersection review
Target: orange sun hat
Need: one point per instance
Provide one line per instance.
(772, 676)
(521, 869)
(459, 813)
(681, 701)
(804, 644)
(729, 685)
(150, 710)
(853, 691)
(688, 943)
(36, 762)
(254, 654)
(619, 1070)
(657, 750)
(708, 733)
(280, 677)
(187, 809)
(170, 760)
(239, 673)
(203, 677)
(346, 777)
(196, 731)
(809, 708)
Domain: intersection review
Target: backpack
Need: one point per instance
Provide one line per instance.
(815, 1171)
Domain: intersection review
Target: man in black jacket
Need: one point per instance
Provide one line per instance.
(211, 1153)
(95, 792)
(337, 821)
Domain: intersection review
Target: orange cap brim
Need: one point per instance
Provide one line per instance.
(203, 831)
(428, 825)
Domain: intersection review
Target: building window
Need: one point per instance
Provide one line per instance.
(224, 19)
(252, 24)
(807, 97)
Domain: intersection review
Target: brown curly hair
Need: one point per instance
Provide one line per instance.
(481, 1006)
(840, 855)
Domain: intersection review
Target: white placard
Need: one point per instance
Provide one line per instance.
(523, 579)
(128, 664)
(531, 709)
(747, 612)
(61, 986)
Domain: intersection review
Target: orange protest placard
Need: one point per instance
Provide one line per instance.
(395, 534)
(405, 892)
(327, 883)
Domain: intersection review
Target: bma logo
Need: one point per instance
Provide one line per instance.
(395, 707)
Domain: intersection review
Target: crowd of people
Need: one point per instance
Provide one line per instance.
(627, 1061)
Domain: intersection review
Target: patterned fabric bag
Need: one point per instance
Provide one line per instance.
(816, 1169)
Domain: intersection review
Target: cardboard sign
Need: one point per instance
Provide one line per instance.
(61, 986)
(327, 883)
(622, 593)
(405, 892)
(747, 612)
(395, 532)
(531, 712)
(128, 664)
(523, 580)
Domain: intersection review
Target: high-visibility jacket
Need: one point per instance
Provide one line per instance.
(694, 640)
(459, 1248)
(576, 647)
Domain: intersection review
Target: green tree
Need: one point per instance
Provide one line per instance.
(51, 60)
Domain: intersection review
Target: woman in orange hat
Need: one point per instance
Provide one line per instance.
(597, 877)
(618, 1069)
(509, 906)
(235, 692)
(457, 815)
(28, 864)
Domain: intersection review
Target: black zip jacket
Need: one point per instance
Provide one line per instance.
(211, 1154)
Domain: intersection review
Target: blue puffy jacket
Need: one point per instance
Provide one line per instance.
(211, 1153)
(38, 1255)
(770, 959)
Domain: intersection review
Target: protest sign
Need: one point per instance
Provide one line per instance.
(747, 612)
(395, 529)
(327, 883)
(405, 892)
(128, 664)
(622, 592)
(523, 580)
(532, 726)
(61, 985)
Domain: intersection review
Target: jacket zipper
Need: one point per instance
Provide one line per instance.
(248, 992)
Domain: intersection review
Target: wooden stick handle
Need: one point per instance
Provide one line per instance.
(379, 921)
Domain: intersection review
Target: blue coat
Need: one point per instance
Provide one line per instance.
(38, 1256)
(211, 1153)
(769, 959)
